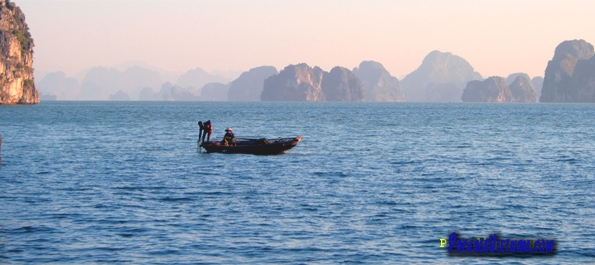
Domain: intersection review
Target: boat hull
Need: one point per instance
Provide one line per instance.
(254, 146)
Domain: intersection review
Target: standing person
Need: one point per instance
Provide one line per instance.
(208, 130)
(201, 130)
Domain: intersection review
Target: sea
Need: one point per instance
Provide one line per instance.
(370, 183)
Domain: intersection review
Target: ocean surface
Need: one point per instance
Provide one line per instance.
(371, 183)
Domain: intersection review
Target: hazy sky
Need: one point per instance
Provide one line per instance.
(496, 37)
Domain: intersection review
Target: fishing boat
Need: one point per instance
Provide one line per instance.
(261, 146)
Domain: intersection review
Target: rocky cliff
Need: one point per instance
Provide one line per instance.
(380, 86)
(439, 68)
(584, 80)
(248, 87)
(303, 83)
(342, 85)
(496, 89)
(294, 83)
(493, 89)
(522, 89)
(568, 74)
(16, 57)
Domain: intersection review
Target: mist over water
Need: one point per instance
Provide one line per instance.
(99, 182)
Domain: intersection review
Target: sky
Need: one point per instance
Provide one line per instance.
(496, 37)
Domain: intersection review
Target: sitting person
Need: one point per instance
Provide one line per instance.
(228, 139)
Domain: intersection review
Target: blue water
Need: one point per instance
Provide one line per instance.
(109, 182)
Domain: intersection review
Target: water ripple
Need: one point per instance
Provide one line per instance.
(105, 182)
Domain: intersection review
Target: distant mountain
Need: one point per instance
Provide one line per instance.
(171, 92)
(341, 84)
(248, 87)
(119, 96)
(438, 68)
(214, 92)
(47, 97)
(570, 75)
(227, 74)
(166, 76)
(64, 88)
(380, 86)
(136, 79)
(537, 85)
(148, 94)
(294, 83)
(181, 94)
(495, 89)
(99, 83)
(511, 77)
(165, 92)
(197, 78)
(443, 92)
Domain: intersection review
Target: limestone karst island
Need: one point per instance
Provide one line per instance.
(441, 77)
(16, 57)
